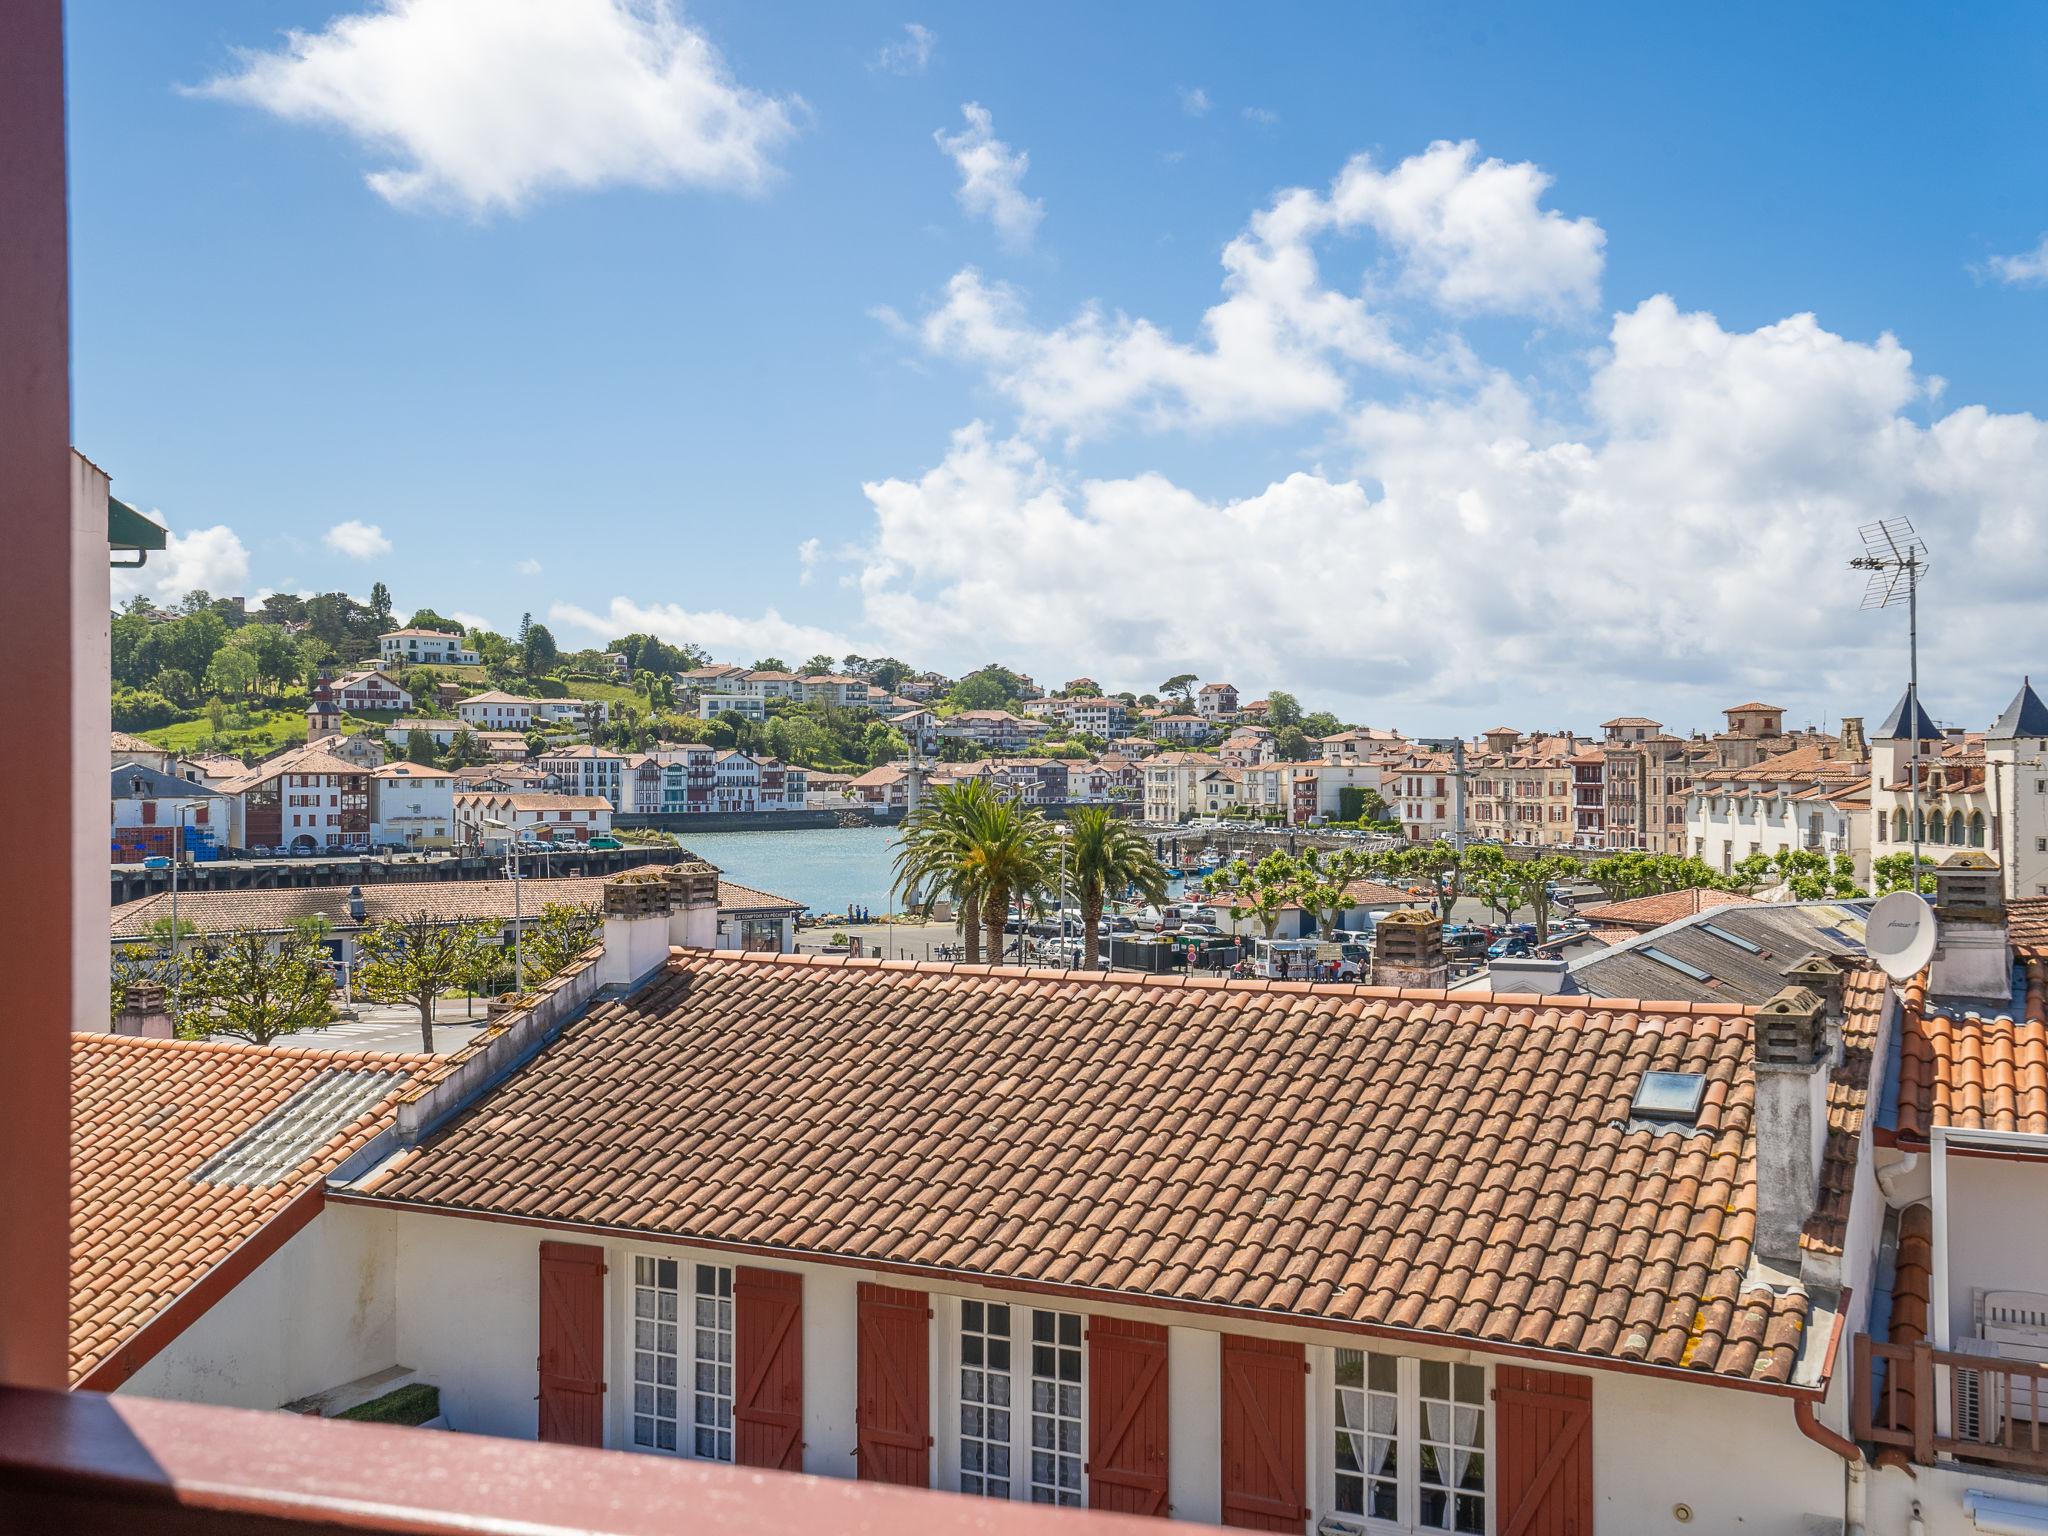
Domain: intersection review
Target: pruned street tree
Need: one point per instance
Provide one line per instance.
(253, 986)
(416, 959)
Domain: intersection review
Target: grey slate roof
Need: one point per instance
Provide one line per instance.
(156, 785)
(1742, 953)
(1895, 727)
(2026, 715)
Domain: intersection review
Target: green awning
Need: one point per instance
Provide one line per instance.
(128, 531)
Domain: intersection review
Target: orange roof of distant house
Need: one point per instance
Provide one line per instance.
(1423, 1163)
(180, 1157)
(1642, 913)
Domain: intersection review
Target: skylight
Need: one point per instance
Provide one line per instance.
(1672, 1097)
(1731, 938)
(1683, 967)
(283, 1139)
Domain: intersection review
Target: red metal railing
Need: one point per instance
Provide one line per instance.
(82, 1463)
(1996, 1410)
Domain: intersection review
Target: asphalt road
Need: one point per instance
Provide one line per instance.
(395, 1028)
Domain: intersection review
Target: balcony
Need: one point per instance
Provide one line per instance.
(1938, 1403)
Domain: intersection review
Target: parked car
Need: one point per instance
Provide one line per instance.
(606, 842)
(1512, 947)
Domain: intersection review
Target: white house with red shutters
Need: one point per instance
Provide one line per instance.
(1342, 1259)
(369, 689)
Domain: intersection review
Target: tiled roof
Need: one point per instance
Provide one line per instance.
(1762, 941)
(1970, 1072)
(450, 901)
(1402, 1160)
(149, 1114)
(1645, 912)
(1863, 1001)
(2027, 920)
(123, 742)
(518, 800)
(1743, 709)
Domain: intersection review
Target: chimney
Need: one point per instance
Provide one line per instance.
(1972, 954)
(1542, 975)
(143, 1013)
(1824, 979)
(1791, 1119)
(1855, 745)
(693, 905)
(1408, 951)
(636, 911)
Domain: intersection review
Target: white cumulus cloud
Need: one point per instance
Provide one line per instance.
(1462, 235)
(212, 560)
(910, 54)
(808, 554)
(472, 620)
(357, 539)
(528, 567)
(991, 177)
(485, 105)
(1680, 543)
(2029, 269)
(1194, 100)
(722, 634)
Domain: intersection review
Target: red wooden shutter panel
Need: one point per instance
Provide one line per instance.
(1126, 1416)
(1265, 1434)
(768, 1369)
(892, 1435)
(1545, 1475)
(571, 1363)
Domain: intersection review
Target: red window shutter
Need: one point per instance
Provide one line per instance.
(892, 1436)
(768, 1369)
(1126, 1416)
(149, 813)
(571, 1360)
(1265, 1434)
(1545, 1435)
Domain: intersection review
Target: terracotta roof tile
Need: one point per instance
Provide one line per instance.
(1974, 1073)
(2027, 917)
(1409, 1159)
(1863, 1002)
(1642, 913)
(147, 1116)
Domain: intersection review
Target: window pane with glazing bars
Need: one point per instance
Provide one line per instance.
(985, 1399)
(1055, 1408)
(654, 1353)
(1368, 1428)
(711, 1361)
(1452, 1460)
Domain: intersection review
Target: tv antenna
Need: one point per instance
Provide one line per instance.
(1896, 558)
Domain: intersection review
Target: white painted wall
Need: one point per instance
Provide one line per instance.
(467, 1296)
(319, 1312)
(1997, 1216)
(1194, 1424)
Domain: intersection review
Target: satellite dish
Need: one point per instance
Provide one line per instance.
(1899, 934)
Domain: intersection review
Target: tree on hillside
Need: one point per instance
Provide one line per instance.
(416, 959)
(380, 604)
(272, 650)
(232, 672)
(419, 746)
(1282, 709)
(881, 743)
(426, 618)
(282, 608)
(1182, 686)
(1291, 746)
(770, 664)
(1321, 723)
(816, 664)
(537, 650)
(990, 687)
(244, 985)
(466, 750)
(1106, 855)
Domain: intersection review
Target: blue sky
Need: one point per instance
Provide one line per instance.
(568, 349)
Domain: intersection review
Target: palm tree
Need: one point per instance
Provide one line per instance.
(1108, 853)
(932, 853)
(1012, 852)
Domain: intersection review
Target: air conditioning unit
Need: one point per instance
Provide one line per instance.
(2011, 1325)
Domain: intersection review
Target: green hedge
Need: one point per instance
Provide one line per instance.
(414, 1403)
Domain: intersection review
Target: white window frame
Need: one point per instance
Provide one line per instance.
(1323, 1449)
(949, 1401)
(688, 1338)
